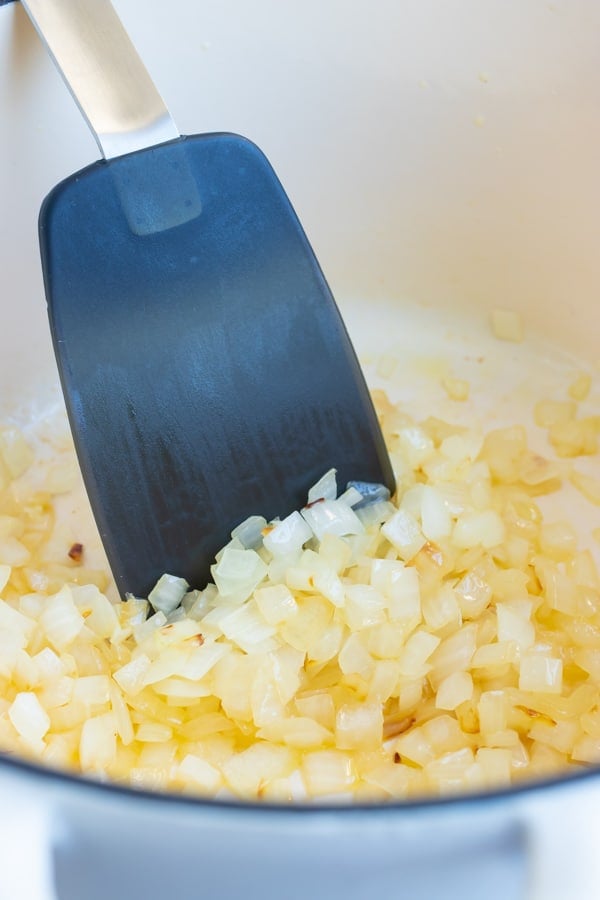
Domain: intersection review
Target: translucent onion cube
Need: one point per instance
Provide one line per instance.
(123, 723)
(326, 581)
(131, 676)
(193, 770)
(61, 620)
(560, 591)
(359, 726)
(332, 517)
(247, 772)
(436, 521)
(454, 654)
(288, 536)
(11, 620)
(450, 768)
(353, 497)
(145, 629)
(318, 706)
(558, 540)
(514, 627)
(473, 594)
(443, 733)
(93, 690)
(101, 616)
(304, 629)
(181, 690)
(58, 692)
(327, 645)
(454, 690)
(153, 732)
(167, 593)
(29, 717)
(496, 764)
(493, 711)
(287, 666)
(200, 660)
(416, 652)
(325, 488)
(415, 445)
(296, 731)
(354, 657)
(246, 627)
(441, 608)
(462, 448)
(404, 533)
(393, 778)
(384, 681)
(587, 750)
(560, 735)
(232, 681)
(238, 573)
(479, 529)
(265, 699)
(250, 532)
(327, 772)
(542, 674)
(414, 746)
(98, 742)
(400, 584)
(336, 552)
(49, 665)
(493, 656)
(364, 606)
(276, 603)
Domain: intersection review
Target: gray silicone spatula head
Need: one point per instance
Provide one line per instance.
(207, 373)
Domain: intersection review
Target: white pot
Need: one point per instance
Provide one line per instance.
(443, 160)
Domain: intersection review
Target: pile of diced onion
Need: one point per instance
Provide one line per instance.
(362, 648)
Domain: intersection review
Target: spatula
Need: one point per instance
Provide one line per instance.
(207, 373)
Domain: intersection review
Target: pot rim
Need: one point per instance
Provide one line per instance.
(106, 789)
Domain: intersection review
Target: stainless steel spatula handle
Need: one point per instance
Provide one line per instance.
(104, 73)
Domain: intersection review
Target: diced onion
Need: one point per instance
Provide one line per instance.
(507, 325)
(168, 593)
(364, 647)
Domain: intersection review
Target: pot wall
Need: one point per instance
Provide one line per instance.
(443, 154)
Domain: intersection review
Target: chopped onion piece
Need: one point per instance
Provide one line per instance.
(454, 690)
(542, 674)
(249, 532)
(325, 488)
(332, 517)
(289, 536)
(167, 593)
(29, 717)
(507, 325)
(238, 573)
(403, 531)
(351, 497)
